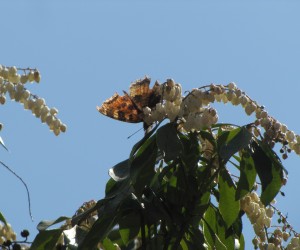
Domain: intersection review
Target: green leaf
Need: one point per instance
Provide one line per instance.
(108, 245)
(247, 176)
(242, 242)
(215, 233)
(129, 227)
(208, 234)
(43, 225)
(46, 239)
(228, 206)
(269, 170)
(233, 141)
(120, 171)
(214, 230)
(2, 218)
(168, 141)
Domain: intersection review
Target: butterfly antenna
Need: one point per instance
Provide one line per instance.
(134, 133)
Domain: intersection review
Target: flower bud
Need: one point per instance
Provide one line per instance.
(53, 111)
(31, 76)
(24, 78)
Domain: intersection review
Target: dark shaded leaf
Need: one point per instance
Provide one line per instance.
(195, 239)
(143, 165)
(233, 141)
(142, 141)
(236, 228)
(43, 225)
(191, 151)
(208, 136)
(200, 208)
(129, 227)
(228, 206)
(113, 188)
(247, 176)
(157, 243)
(269, 170)
(46, 239)
(114, 236)
(99, 231)
(168, 141)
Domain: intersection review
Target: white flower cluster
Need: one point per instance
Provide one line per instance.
(195, 113)
(259, 216)
(274, 130)
(7, 233)
(294, 244)
(192, 110)
(12, 83)
(168, 107)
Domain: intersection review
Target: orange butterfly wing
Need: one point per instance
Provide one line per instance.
(128, 108)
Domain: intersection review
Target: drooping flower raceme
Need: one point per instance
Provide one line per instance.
(195, 113)
(12, 84)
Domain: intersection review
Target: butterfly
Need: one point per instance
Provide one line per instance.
(129, 107)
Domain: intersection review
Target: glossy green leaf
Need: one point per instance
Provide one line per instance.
(230, 142)
(228, 206)
(120, 171)
(43, 225)
(269, 170)
(247, 176)
(168, 141)
(46, 239)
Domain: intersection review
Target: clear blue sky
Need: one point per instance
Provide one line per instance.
(87, 50)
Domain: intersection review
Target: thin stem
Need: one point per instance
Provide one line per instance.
(27, 190)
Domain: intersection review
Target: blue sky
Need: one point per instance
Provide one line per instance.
(86, 51)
